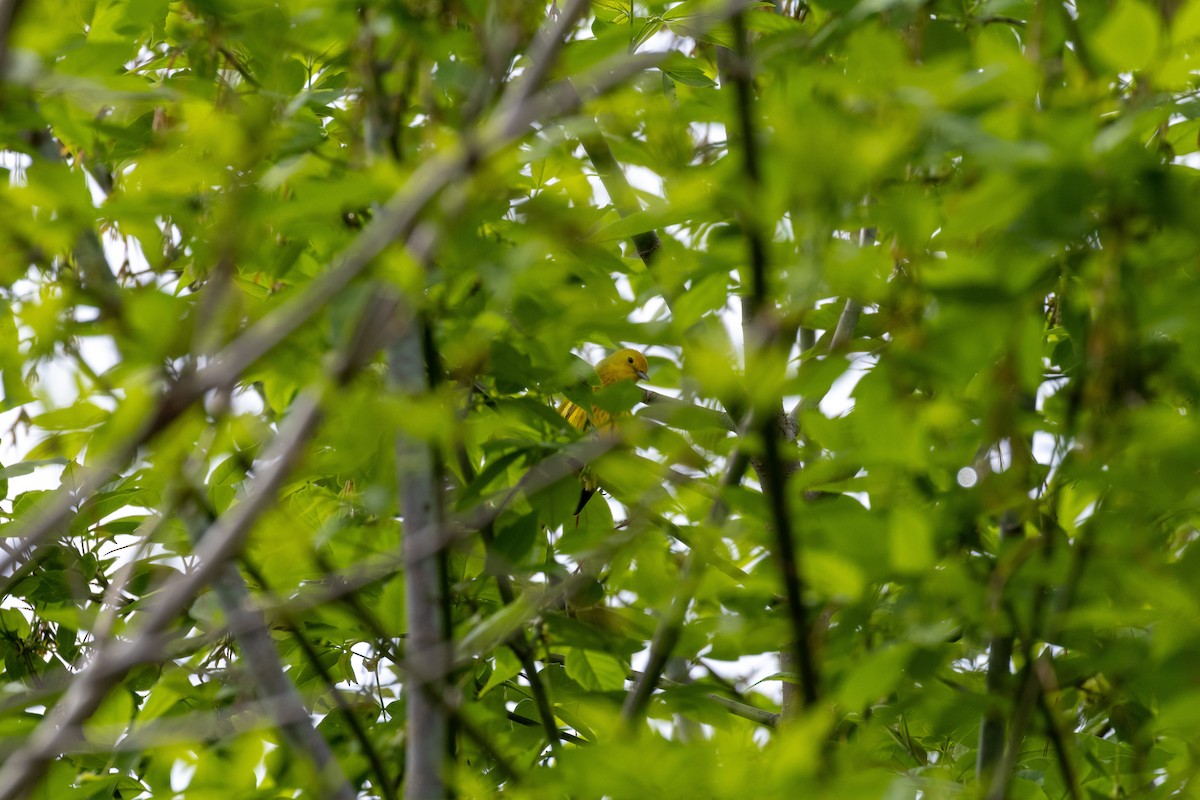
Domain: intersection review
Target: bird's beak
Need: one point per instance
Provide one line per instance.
(641, 374)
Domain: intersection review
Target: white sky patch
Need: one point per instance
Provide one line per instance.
(598, 191)
(839, 401)
(646, 180)
(16, 164)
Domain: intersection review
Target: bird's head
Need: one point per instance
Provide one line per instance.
(623, 365)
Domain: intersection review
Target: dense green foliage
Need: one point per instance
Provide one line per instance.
(281, 278)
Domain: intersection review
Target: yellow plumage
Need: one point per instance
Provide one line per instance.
(623, 365)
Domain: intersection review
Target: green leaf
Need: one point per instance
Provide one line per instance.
(597, 672)
(1129, 38)
(505, 668)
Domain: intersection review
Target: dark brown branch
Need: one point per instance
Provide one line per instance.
(761, 335)
(997, 678)
(1036, 681)
(1055, 730)
(612, 177)
(519, 644)
(566, 736)
(668, 410)
(624, 199)
(451, 704)
(768, 719)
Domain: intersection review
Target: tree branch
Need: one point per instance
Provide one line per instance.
(418, 472)
(374, 758)
(761, 336)
(61, 726)
(9, 11)
(670, 625)
(673, 411)
(265, 668)
(395, 221)
(768, 719)
(519, 645)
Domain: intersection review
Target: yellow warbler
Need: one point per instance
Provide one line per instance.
(623, 365)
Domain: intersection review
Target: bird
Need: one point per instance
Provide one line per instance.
(626, 364)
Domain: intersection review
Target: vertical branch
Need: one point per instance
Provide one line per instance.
(761, 335)
(992, 760)
(998, 676)
(9, 9)
(418, 472)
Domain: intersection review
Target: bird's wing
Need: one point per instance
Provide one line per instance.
(573, 414)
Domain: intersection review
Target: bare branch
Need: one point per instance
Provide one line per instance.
(541, 58)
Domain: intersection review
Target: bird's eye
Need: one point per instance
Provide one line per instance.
(631, 359)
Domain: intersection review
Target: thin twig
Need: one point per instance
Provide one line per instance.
(519, 644)
(667, 409)
(1055, 730)
(385, 783)
(451, 704)
(670, 625)
(768, 719)
(541, 58)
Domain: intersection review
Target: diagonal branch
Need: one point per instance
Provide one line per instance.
(670, 625)
(373, 756)
(62, 726)
(396, 221)
(542, 56)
